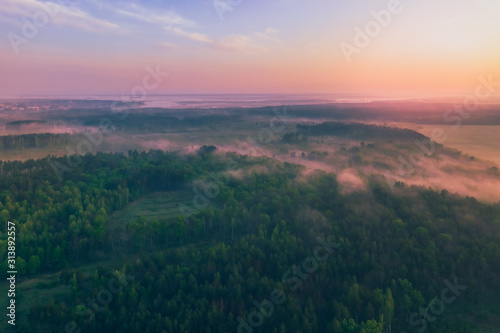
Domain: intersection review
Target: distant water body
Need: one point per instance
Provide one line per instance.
(213, 101)
(220, 101)
(246, 101)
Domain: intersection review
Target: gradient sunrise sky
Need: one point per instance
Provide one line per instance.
(258, 46)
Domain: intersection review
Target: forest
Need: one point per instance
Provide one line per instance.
(243, 259)
(25, 141)
(360, 131)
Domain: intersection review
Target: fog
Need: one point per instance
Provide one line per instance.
(445, 169)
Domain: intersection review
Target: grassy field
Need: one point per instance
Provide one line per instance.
(36, 290)
(479, 141)
(152, 206)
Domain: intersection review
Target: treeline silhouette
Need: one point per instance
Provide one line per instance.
(25, 141)
(359, 131)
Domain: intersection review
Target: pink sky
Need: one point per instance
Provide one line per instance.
(425, 48)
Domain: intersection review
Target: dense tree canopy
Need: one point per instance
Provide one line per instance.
(210, 270)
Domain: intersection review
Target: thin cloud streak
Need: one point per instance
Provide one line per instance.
(169, 18)
(233, 42)
(191, 35)
(65, 15)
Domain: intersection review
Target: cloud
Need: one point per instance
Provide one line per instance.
(267, 38)
(271, 31)
(63, 15)
(168, 45)
(81, 20)
(191, 35)
(239, 43)
(168, 18)
(132, 10)
(233, 42)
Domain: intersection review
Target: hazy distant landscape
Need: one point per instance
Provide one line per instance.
(469, 152)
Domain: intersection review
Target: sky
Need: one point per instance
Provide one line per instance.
(377, 48)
